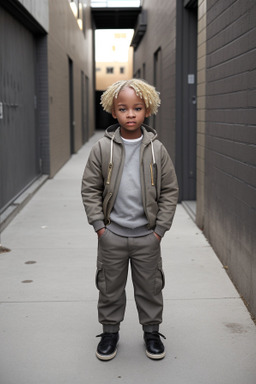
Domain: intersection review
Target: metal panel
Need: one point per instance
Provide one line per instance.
(19, 159)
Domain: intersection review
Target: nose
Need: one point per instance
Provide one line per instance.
(130, 113)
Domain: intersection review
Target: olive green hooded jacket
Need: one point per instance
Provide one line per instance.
(102, 176)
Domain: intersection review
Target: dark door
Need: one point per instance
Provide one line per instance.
(85, 106)
(71, 107)
(19, 154)
(158, 84)
(186, 117)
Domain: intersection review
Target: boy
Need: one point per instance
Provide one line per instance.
(130, 192)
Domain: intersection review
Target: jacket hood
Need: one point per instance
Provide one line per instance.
(113, 133)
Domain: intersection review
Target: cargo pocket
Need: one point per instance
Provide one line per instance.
(100, 280)
(159, 278)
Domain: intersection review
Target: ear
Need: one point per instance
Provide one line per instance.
(113, 113)
(148, 113)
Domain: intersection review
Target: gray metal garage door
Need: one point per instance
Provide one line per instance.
(19, 155)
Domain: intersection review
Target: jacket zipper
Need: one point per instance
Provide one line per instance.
(144, 197)
(152, 175)
(110, 167)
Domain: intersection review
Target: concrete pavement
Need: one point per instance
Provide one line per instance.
(48, 316)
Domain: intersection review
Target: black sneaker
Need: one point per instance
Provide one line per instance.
(154, 346)
(107, 349)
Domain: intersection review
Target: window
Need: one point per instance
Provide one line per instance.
(122, 69)
(110, 70)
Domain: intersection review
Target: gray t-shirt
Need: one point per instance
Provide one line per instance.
(128, 216)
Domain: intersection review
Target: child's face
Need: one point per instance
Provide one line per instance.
(130, 111)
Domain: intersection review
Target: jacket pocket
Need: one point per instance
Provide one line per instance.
(100, 280)
(159, 278)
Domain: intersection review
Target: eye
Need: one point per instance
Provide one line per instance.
(138, 109)
(121, 109)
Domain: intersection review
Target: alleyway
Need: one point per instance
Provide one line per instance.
(48, 302)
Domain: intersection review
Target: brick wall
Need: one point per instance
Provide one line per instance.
(230, 156)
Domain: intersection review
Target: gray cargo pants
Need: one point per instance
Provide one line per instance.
(114, 254)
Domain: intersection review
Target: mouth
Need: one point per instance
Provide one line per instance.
(131, 123)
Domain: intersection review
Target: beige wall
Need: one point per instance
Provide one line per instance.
(104, 79)
(160, 37)
(39, 10)
(66, 40)
(201, 97)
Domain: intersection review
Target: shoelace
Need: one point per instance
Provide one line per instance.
(104, 334)
(156, 333)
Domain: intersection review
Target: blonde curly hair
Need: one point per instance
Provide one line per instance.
(142, 89)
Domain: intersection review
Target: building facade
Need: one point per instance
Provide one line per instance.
(113, 57)
(201, 56)
(46, 89)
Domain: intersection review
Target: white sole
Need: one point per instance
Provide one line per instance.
(106, 357)
(158, 356)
